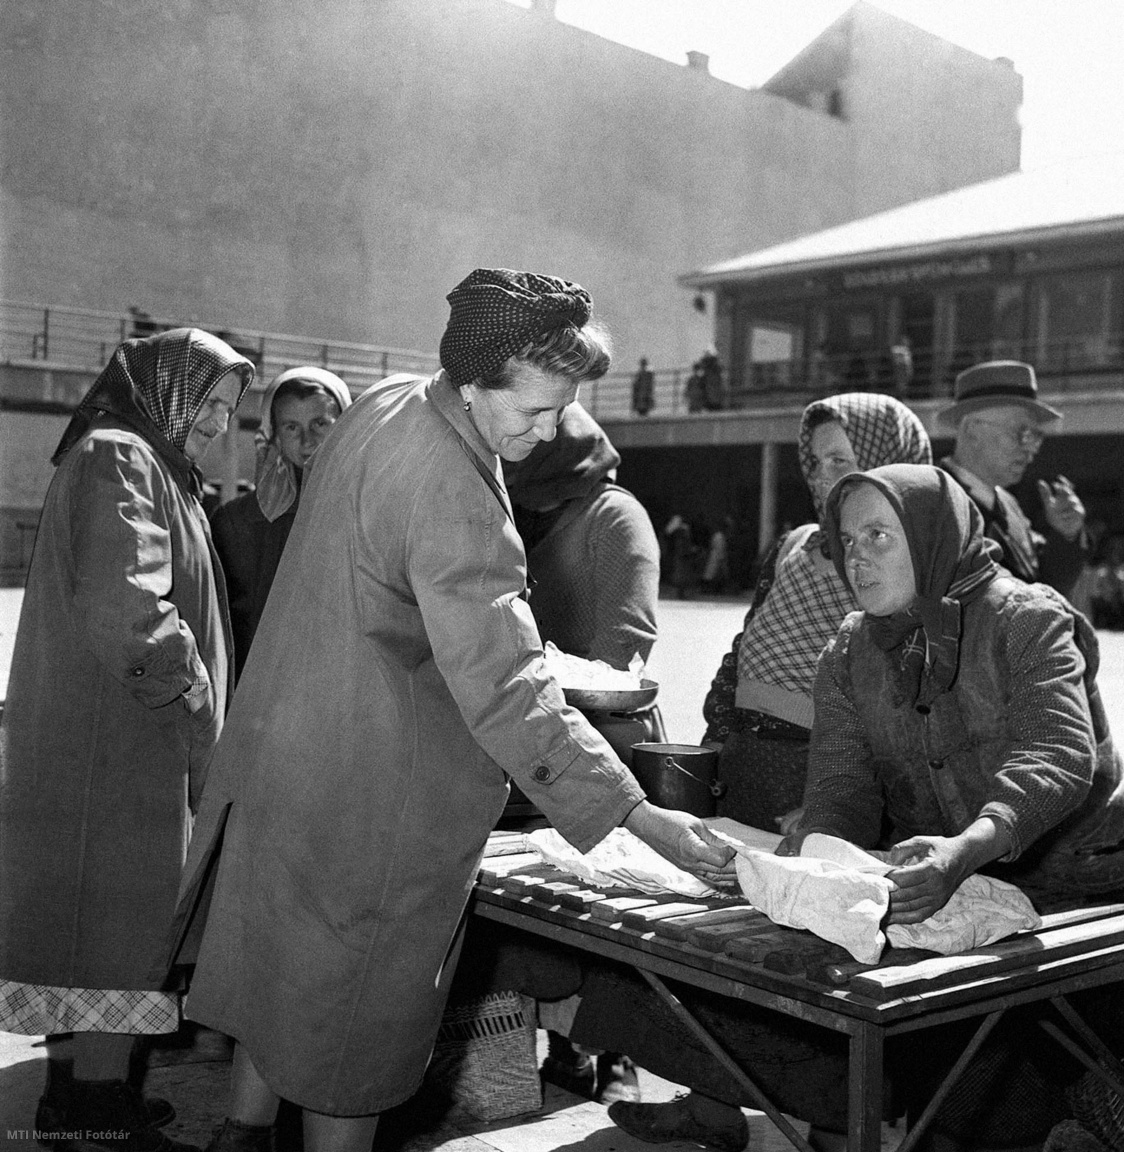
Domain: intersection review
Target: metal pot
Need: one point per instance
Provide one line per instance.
(678, 776)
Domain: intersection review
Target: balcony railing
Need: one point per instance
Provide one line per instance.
(83, 340)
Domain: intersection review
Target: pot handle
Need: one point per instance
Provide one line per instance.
(716, 787)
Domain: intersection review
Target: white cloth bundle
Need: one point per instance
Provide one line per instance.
(841, 893)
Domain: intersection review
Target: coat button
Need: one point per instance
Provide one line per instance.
(541, 774)
(936, 764)
(138, 671)
(922, 709)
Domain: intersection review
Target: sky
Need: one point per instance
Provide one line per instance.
(1070, 53)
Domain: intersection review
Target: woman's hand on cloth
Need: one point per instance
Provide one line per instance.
(789, 822)
(684, 840)
(928, 869)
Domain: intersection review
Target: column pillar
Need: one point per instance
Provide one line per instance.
(767, 507)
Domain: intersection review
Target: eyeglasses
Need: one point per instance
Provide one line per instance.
(1024, 437)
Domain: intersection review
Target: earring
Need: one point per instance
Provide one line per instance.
(468, 405)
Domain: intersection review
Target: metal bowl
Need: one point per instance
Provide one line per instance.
(612, 700)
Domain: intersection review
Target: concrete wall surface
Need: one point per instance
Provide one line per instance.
(332, 169)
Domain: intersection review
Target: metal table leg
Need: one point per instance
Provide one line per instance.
(729, 1063)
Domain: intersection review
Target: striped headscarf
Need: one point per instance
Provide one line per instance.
(953, 563)
(494, 312)
(158, 386)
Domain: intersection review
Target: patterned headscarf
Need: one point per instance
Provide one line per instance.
(158, 386)
(275, 479)
(494, 312)
(881, 430)
(953, 563)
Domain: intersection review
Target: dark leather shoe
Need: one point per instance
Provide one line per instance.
(106, 1116)
(674, 1120)
(50, 1116)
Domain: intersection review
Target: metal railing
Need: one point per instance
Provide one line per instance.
(83, 340)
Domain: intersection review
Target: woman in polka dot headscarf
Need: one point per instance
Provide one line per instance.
(395, 684)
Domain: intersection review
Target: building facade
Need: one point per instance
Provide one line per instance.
(1028, 266)
(331, 170)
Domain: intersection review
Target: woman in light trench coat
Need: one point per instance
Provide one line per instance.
(396, 682)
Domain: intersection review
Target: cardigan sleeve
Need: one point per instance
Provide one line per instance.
(121, 546)
(1046, 769)
(842, 794)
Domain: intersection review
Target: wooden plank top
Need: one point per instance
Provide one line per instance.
(726, 937)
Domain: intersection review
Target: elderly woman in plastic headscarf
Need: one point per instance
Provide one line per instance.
(118, 688)
(759, 708)
(297, 411)
(397, 682)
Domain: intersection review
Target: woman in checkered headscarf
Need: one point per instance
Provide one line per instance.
(759, 708)
(119, 684)
(395, 683)
(759, 713)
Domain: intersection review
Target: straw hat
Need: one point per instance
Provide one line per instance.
(993, 384)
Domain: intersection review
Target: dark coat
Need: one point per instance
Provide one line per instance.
(1021, 736)
(122, 615)
(1027, 553)
(250, 548)
(396, 680)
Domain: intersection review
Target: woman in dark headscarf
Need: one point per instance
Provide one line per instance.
(396, 682)
(961, 705)
(591, 548)
(960, 711)
(118, 688)
(297, 411)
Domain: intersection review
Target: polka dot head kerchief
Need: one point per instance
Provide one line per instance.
(494, 312)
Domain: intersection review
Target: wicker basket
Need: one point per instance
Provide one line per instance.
(485, 1058)
(1099, 1109)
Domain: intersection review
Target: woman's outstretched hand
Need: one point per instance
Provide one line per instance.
(684, 840)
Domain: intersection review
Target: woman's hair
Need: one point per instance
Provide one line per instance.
(822, 416)
(297, 389)
(579, 354)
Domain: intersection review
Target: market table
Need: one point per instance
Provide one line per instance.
(726, 946)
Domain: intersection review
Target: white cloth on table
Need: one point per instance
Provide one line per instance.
(841, 893)
(621, 860)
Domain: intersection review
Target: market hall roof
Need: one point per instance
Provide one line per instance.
(1069, 200)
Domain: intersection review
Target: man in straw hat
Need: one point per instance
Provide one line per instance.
(1000, 425)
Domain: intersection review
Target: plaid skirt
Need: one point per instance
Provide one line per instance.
(41, 1010)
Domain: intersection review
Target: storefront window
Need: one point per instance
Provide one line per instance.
(1078, 324)
(771, 343)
